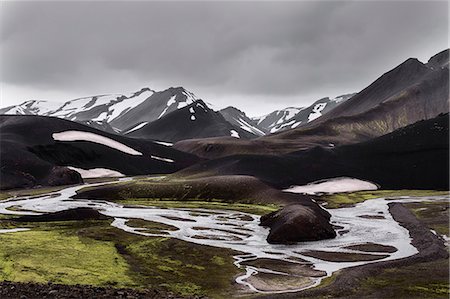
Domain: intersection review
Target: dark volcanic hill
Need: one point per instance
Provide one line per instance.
(196, 120)
(410, 92)
(414, 157)
(393, 84)
(35, 149)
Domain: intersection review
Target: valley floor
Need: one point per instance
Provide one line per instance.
(64, 259)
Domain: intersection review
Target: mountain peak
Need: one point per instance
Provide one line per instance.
(441, 59)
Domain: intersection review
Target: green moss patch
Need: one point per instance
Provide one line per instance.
(433, 214)
(257, 209)
(349, 199)
(423, 280)
(43, 256)
(94, 253)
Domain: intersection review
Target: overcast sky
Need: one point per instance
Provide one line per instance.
(257, 56)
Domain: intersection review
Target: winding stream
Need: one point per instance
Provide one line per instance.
(241, 232)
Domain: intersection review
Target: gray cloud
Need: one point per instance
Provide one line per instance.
(246, 53)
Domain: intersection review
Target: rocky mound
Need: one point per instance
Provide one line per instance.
(297, 223)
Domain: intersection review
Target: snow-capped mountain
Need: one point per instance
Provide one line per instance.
(241, 120)
(276, 118)
(313, 112)
(130, 113)
(113, 112)
(291, 117)
(196, 120)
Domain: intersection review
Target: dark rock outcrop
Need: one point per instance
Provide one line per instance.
(297, 223)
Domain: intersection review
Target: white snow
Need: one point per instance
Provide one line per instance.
(36, 107)
(162, 159)
(296, 125)
(171, 101)
(92, 137)
(191, 110)
(234, 134)
(121, 107)
(316, 112)
(101, 116)
(164, 143)
(163, 112)
(96, 172)
(192, 117)
(248, 127)
(136, 127)
(277, 128)
(335, 185)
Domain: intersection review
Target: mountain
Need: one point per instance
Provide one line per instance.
(239, 119)
(113, 112)
(310, 113)
(196, 120)
(408, 93)
(401, 82)
(276, 118)
(41, 150)
(413, 157)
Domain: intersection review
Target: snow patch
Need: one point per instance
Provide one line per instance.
(128, 103)
(192, 117)
(277, 128)
(92, 137)
(336, 185)
(164, 143)
(162, 159)
(316, 112)
(248, 127)
(171, 100)
(96, 172)
(137, 127)
(101, 117)
(234, 134)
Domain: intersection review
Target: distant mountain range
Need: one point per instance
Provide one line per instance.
(130, 113)
(291, 117)
(410, 92)
(378, 134)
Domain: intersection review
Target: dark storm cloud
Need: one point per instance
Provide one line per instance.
(246, 49)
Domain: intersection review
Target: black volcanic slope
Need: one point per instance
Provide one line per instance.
(193, 121)
(30, 156)
(410, 92)
(414, 157)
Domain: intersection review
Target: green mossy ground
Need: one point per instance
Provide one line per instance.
(94, 253)
(423, 280)
(435, 215)
(257, 209)
(340, 200)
